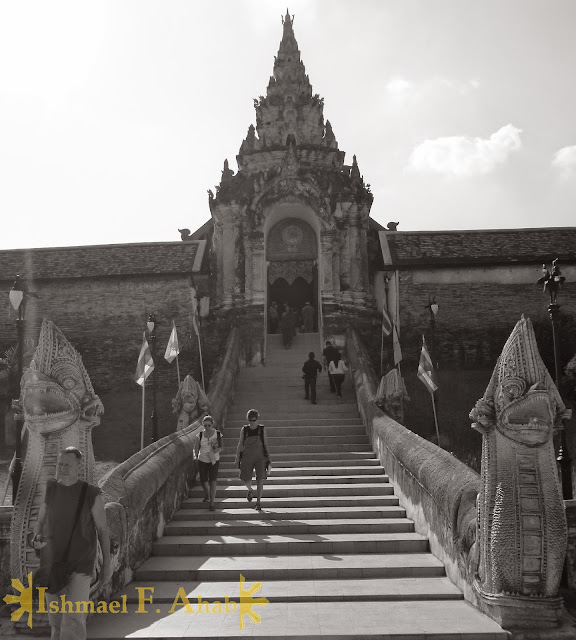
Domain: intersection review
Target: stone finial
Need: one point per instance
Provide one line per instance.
(60, 410)
(355, 171)
(521, 519)
(392, 226)
(227, 173)
(184, 234)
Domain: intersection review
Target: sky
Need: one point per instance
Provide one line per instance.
(116, 116)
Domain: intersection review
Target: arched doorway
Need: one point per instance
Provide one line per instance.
(292, 252)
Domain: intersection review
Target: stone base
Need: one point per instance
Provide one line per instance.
(529, 617)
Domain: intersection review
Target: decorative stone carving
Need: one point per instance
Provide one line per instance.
(60, 409)
(290, 270)
(521, 519)
(189, 402)
(291, 239)
(391, 395)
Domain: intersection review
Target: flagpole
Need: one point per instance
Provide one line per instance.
(200, 354)
(382, 354)
(178, 369)
(435, 418)
(142, 426)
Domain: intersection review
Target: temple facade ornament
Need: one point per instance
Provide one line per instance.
(292, 200)
(521, 519)
(189, 403)
(60, 410)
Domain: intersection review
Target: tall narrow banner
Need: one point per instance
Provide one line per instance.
(397, 350)
(172, 349)
(145, 364)
(426, 371)
(386, 323)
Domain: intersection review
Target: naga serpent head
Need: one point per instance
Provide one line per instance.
(521, 400)
(56, 389)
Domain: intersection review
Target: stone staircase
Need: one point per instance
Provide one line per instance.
(334, 551)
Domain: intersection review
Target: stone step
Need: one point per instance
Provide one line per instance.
(303, 473)
(326, 458)
(293, 468)
(274, 503)
(313, 438)
(303, 490)
(296, 431)
(246, 512)
(233, 480)
(271, 544)
(338, 408)
(290, 567)
(310, 620)
(366, 589)
(295, 449)
(287, 527)
(301, 422)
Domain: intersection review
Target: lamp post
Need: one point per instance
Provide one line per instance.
(151, 324)
(17, 297)
(552, 281)
(433, 307)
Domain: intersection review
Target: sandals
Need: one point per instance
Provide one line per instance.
(206, 500)
(212, 507)
(258, 506)
(249, 496)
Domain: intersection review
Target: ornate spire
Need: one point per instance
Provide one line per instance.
(289, 76)
(227, 173)
(355, 171)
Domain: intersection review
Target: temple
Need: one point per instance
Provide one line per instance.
(293, 224)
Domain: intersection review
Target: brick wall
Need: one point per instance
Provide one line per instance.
(475, 319)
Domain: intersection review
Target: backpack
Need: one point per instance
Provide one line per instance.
(261, 434)
(218, 435)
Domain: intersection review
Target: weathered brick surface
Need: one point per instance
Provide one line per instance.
(99, 260)
(502, 246)
(475, 320)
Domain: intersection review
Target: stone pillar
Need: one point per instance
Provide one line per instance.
(248, 267)
(229, 261)
(326, 274)
(258, 268)
(239, 275)
(356, 277)
(336, 269)
(218, 232)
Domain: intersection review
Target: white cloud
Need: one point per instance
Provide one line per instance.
(400, 91)
(463, 156)
(565, 161)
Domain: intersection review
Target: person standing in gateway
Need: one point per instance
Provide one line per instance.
(70, 522)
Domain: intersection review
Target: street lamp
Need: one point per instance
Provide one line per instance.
(433, 307)
(552, 281)
(151, 324)
(17, 296)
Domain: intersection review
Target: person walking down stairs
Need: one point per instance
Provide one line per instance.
(252, 455)
(208, 451)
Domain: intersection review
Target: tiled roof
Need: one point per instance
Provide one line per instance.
(103, 260)
(500, 246)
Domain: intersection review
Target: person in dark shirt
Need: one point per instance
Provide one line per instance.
(330, 354)
(56, 527)
(311, 368)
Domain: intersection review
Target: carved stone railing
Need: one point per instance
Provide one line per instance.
(436, 489)
(143, 493)
(440, 493)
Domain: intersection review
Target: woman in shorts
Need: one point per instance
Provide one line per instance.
(252, 455)
(208, 453)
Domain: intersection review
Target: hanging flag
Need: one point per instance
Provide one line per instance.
(426, 371)
(145, 364)
(172, 349)
(386, 323)
(195, 324)
(397, 350)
